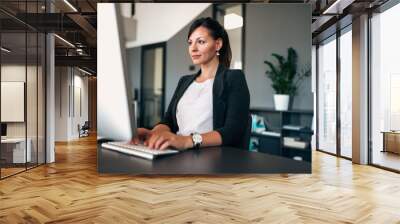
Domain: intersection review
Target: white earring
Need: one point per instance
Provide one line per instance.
(218, 52)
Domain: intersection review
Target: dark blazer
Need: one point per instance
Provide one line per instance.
(231, 101)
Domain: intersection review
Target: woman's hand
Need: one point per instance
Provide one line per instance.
(163, 140)
(142, 134)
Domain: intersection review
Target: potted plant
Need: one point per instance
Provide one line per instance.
(285, 78)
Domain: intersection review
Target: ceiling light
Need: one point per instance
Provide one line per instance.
(78, 44)
(5, 50)
(80, 51)
(64, 40)
(70, 5)
(84, 71)
(232, 21)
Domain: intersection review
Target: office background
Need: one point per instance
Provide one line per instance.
(266, 29)
(45, 93)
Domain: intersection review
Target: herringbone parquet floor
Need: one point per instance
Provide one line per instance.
(71, 191)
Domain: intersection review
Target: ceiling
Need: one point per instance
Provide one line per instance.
(332, 15)
(76, 22)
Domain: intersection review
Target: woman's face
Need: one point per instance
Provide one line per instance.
(202, 46)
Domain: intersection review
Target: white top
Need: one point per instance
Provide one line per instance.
(194, 112)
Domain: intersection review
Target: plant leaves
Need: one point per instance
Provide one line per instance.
(284, 76)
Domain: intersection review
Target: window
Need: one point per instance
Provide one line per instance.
(346, 92)
(327, 95)
(385, 87)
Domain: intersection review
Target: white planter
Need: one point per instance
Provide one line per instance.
(281, 101)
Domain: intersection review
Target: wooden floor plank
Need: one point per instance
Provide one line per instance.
(71, 191)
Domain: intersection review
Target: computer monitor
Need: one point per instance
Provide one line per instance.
(3, 129)
(115, 120)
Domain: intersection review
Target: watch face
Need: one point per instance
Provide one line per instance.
(197, 138)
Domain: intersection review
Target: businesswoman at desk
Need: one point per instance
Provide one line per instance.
(209, 108)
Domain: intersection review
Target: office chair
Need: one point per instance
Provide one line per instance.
(84, 130)
(247, 134)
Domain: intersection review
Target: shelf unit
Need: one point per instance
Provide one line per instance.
(276, 121)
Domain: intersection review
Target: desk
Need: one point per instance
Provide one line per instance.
(213, 160)
(17, 150)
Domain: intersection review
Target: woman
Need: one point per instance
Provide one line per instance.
(209, 108)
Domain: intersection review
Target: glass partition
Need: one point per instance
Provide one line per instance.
(327, 95)
(14, 153)
(22, 77)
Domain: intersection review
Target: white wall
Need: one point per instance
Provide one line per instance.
(67, 115)
(273, 28)
(79, 117)
(61, 103)
(158, 22)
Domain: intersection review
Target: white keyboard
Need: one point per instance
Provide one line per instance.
(137, 150)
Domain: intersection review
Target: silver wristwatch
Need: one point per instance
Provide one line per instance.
(197, 140)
